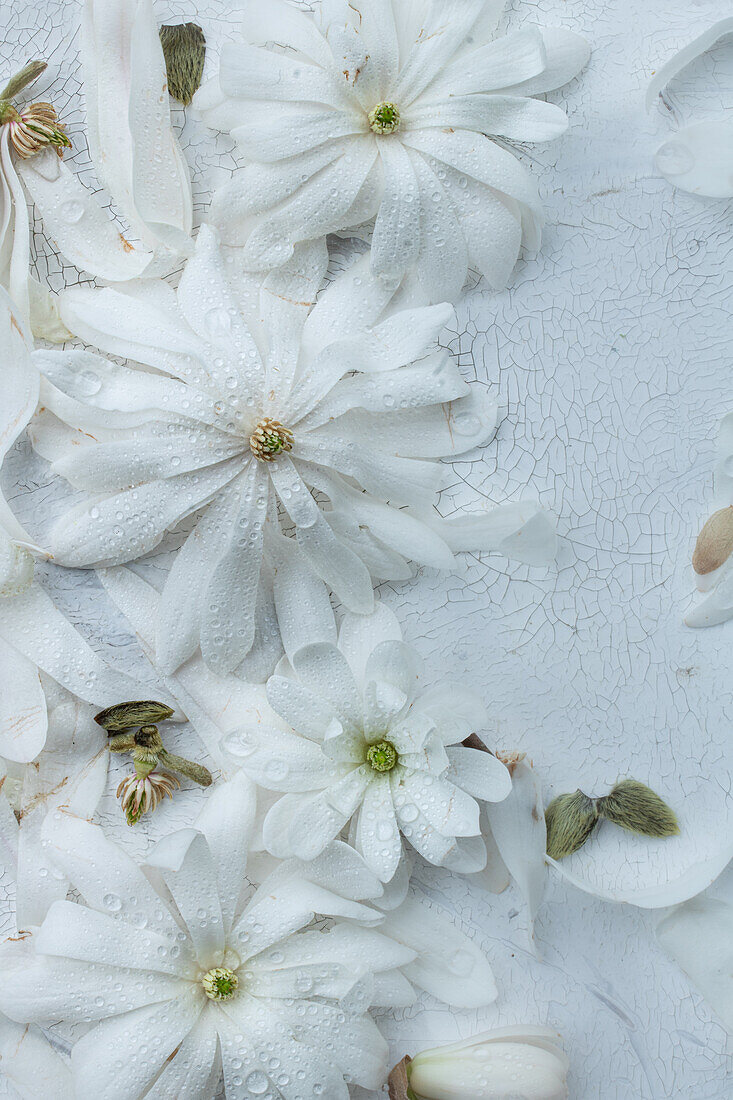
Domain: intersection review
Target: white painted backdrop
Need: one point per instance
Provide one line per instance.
(612, 356)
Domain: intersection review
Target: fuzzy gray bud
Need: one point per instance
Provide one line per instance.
(635, 807)
(570, 819)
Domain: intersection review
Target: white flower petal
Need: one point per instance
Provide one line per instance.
(450, 810)
(306, 712)
(698, 936)
(353, 1043)
(101, 1067)
(377, 836)
(336, 564)
(459, 975)
(32, 624)
(513, 117)
(349, 305)
(698, 159)
(23, 718)
(229, 606)
(280, 22)
(456, 710)
(193, 1072)
(227, 822)
(315, 209)
(281, 761)
(415, 827)
(443, 27)
(31, 1064)
(326, 672)
(395, 663)
(248, 72)
(482, 775)
(566, 54)
(194, 888)
(304, 609)
(518, 828)
(480, 158)
(125, 526)
(521, 530)
(281, 130)
(77, 223)
(396, 237)
(508, 60)
(372, 64)
(73, 931)
(276, 827)
(468, 857)
(359, 636)
(442, 263)
(106, 877)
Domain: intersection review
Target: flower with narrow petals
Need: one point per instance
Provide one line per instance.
(394, 113)
(139, 795)
(259, 418)
(364, 747)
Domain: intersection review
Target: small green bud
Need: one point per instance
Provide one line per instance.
(197, 772)
(384, 118)
(635, 807)
(125, 716)
(21, 80)
(184, 49)
(570, 819)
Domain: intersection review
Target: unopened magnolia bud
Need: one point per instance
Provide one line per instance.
(125, 716)
(714, 543)
(197, 772)
(570, 819)
(184, 49)
(21, 80)
(635, 807)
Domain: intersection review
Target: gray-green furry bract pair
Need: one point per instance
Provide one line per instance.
(571, 818)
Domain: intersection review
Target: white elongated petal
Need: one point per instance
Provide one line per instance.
(664, 73)
(377, 836)
(480, 158)
(518, 828)
(566, 54)
(698, 159)
(281, 761)
(448, 965)
(125, 526)
(303, 606)
(698, 936)
(227, 822)
(23, 718)
(194, 889)
(248, 72)
(492, 224)
(442, 262)
(359, 636)
(229, 605)
(354, 1043)
(444, 26)
(193, 1071)
(96, 1055)
(313, 210)
(80, 227)
(280, 22)
(31, 1064)
(520, 530)
(161, 186)
(106, 877)
(482, 775)
(451, 811)
(14, 233)
(396, 238)
(513, 117)
(33, 625)
(325, 670)
(402, 481)
(335, 563)
(282, 130)
(508, 60)
(316, 822)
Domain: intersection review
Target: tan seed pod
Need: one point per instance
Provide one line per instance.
(570, 820)
(635, 807)
(125, 716)
(714, 543)
(398, 1081)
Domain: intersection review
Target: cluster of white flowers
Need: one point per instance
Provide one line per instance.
(286, 434)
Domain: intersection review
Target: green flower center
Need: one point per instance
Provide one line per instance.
(220, 983)
(382, 756)
(384, 118)
(269, 439)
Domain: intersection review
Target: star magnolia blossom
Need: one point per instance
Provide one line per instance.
(385, 109)
(369, 746)
(194, 969)
(250, 413)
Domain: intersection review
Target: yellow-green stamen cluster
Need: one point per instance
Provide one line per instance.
(220, 983)
(269, 439)
(382, 756)
(384, 118)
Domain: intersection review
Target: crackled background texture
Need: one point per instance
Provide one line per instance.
(611, 356)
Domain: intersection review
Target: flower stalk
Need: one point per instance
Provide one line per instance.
(571, 818)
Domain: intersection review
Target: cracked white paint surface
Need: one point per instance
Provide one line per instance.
(611, 355)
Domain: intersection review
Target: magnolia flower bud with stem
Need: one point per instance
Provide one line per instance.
(571, 818)
(145, 789)
(512, 1063)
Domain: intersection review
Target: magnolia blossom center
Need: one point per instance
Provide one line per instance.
(34, 128)
(220, 983)
(384, 118)
(382, 756)
(269, 439)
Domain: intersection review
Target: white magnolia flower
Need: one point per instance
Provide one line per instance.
(512, 1063)
(195, 969)
(388, 110)
(134, 152)
(246, 417)
(363, 744)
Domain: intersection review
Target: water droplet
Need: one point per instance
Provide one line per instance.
(674, 159)
(257, 1083)
(72, 211)
(112, 902)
